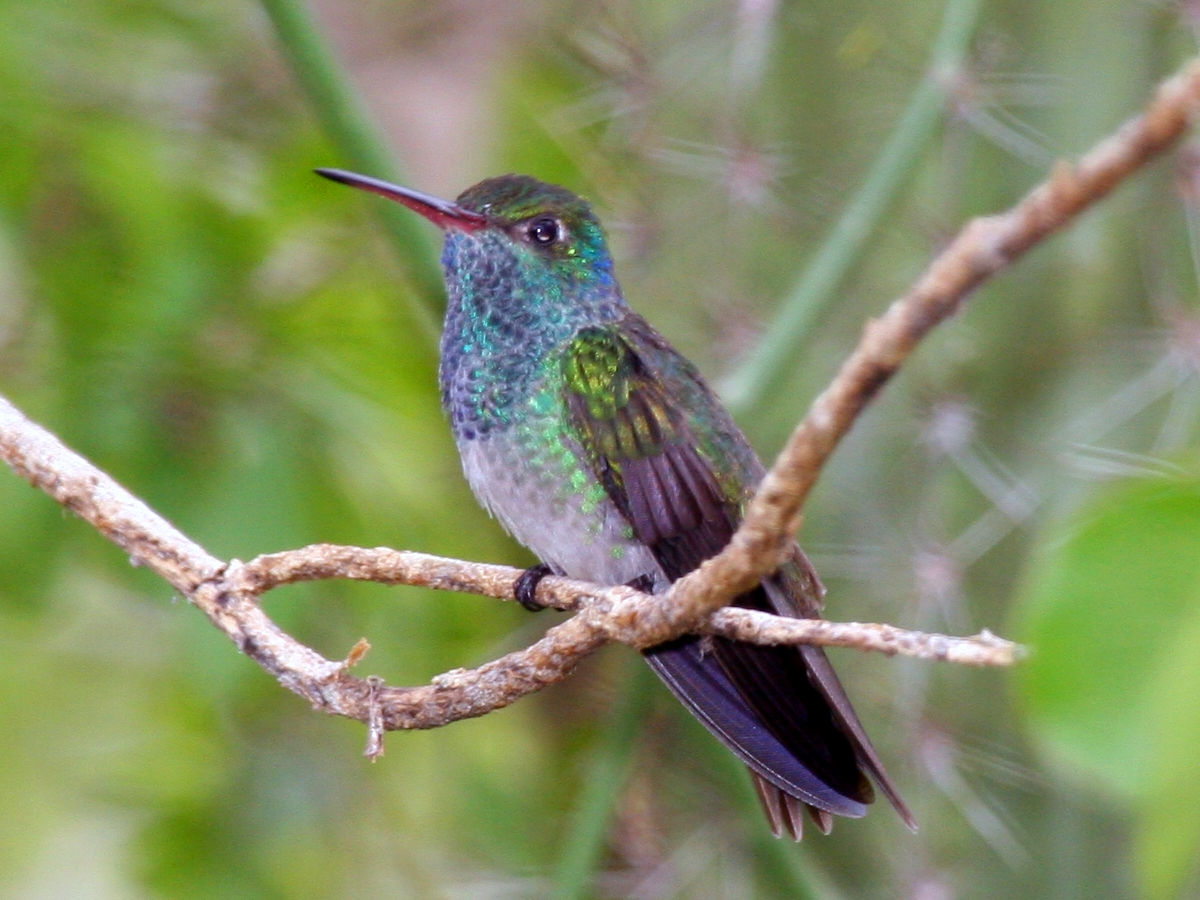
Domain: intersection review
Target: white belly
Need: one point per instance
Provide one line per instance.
(544, 496)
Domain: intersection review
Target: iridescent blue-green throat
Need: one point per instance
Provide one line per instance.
(599, 447)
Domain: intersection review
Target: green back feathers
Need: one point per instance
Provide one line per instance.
(621, 409)
(635, 435)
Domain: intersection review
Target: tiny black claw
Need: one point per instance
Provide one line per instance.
(526, 586)
(643, 583)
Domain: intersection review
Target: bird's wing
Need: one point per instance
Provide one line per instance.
(653, 433)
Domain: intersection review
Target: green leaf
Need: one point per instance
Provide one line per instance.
(1112, 614)
(1167, 838)
(1099, 600)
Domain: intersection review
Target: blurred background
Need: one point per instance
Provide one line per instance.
(250, 350)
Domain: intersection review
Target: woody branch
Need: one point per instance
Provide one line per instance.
(228, 592)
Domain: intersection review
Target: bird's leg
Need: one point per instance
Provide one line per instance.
(526, 586)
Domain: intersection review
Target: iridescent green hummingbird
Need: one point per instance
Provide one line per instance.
(601, 449)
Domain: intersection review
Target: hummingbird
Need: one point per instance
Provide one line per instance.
(598, 446)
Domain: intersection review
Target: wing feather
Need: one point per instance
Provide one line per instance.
(653, 431)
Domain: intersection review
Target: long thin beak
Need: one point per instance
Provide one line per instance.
(441, 213)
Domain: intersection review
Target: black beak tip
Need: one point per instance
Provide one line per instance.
(332, 174)
(443, 213)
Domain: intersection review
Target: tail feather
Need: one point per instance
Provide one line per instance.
(697, 678)
(784, 713)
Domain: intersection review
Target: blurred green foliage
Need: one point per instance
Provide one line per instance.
(243, 346)
(1113, 611)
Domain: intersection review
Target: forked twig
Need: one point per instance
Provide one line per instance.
(229, 592)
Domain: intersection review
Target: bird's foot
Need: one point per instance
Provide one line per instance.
(643, 583)
(526, 586)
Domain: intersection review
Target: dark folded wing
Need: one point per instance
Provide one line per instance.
(679, 470)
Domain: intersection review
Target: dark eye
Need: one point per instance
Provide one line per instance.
(543, 230)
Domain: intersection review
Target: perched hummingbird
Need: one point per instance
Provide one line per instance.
(599, 447)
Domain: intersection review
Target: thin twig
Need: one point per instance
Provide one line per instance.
(618, 604)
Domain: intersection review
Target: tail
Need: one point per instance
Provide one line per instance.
(784, 713)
